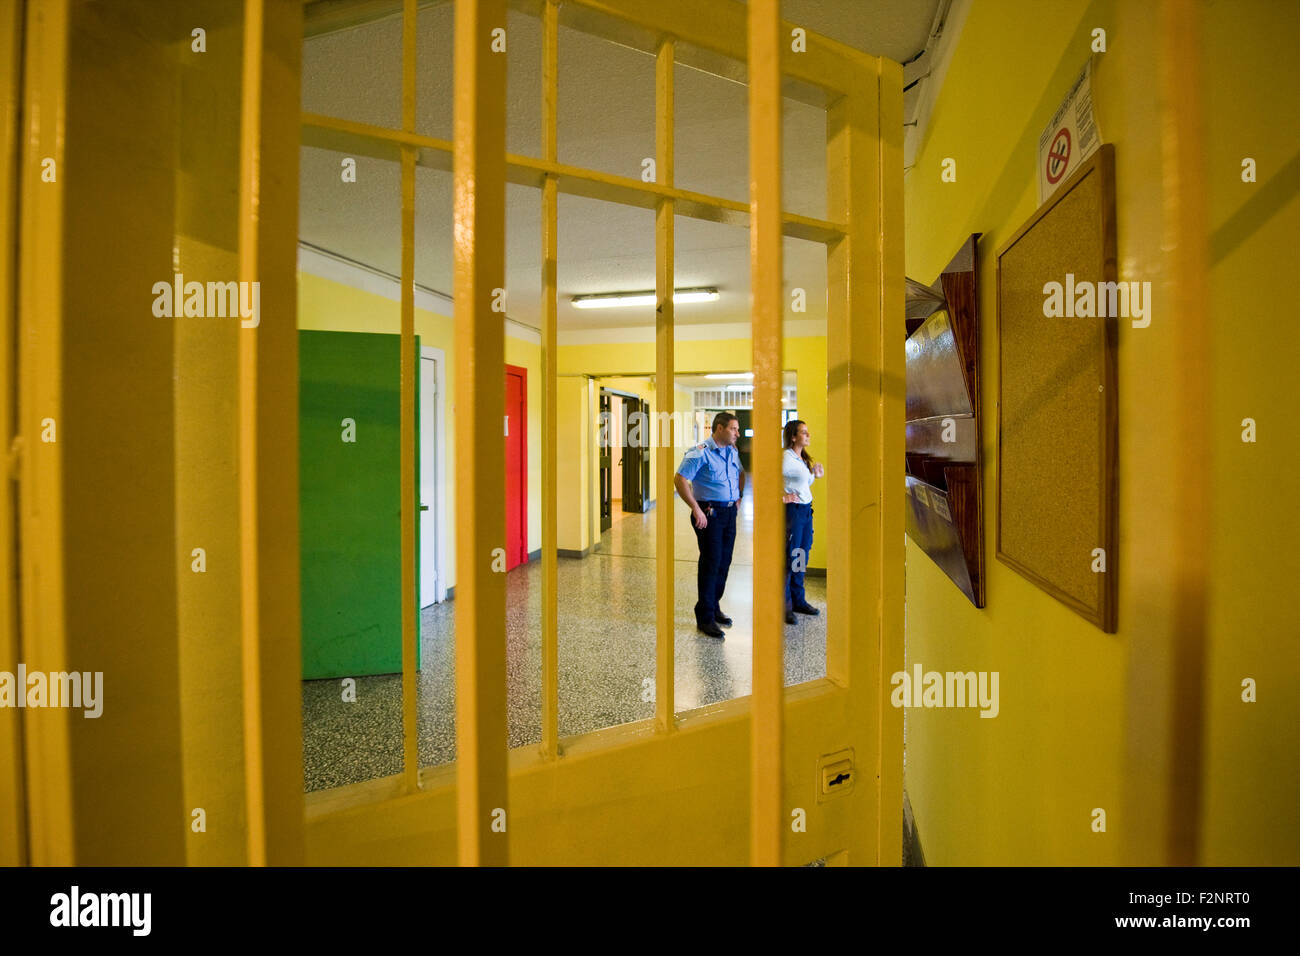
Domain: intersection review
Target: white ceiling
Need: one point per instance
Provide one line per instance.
(605, 122)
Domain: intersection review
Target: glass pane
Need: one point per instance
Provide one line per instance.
(356, 74)
(435, 73)
(606, 580)
(437, 462)
(803, 159)
(613, 132)
(711, 129)
(442, 465)
(434, 69)
(349, 476)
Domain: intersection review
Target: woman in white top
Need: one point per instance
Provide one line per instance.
(799, 471)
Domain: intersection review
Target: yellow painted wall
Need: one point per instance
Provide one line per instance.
(1252, 757)
(1084, 715)
(333, 306)
(573, 465)
(805, 355)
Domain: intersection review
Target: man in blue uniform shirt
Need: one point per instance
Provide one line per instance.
(711, 482)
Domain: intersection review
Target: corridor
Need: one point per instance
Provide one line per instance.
(607, 653)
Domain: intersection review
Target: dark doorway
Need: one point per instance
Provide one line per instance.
(624, 454)
(745, 444)
(635, 432)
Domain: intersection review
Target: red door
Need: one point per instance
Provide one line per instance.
(516, 430)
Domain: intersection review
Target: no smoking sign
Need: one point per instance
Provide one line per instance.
(1070, 138)
(1058, 156)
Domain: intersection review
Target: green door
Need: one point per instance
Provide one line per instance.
(349, 503)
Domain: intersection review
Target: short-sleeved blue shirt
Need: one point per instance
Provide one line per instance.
(713, 471)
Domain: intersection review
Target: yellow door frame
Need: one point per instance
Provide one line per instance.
(46, 742)
(609, 796)
(606, 797)
(13, 814)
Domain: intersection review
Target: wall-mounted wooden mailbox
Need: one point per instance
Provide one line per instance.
(945, 516)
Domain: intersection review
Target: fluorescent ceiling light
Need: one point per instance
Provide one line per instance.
(730, 375)
(620, 300)
(738, 388)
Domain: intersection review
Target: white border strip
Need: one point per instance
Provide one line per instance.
(327, 265)
(794, 328)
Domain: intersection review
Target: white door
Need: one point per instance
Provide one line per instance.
(432, 589)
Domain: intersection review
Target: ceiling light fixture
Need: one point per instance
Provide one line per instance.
(620, 300)
(730, 375)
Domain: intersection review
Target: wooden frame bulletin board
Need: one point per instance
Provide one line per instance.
(1057, 401)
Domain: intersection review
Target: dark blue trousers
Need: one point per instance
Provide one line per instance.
(717, 540)
(798, 538)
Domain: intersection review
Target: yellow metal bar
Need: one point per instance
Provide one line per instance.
(379, 142)
(250, 629)
(407, 361)
(665, 617)
(268, 424)
(276, 399)
(766, 824)
(858, 394)
(526, 170)
(339, 135)
(479, 211)
(889, 770)
(1186, 224)
(13, 813)
(40, 304)
(550, 358)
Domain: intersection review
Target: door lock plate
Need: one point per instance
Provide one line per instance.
(835, 775)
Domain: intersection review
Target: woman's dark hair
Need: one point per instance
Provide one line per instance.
(790, 433)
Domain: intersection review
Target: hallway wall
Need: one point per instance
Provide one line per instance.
(575, 461)
(326, 305)
(1085, 716)
(1253, 109)
(804, 354)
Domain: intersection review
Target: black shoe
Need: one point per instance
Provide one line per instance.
(807, 608)
(790, 618)
(710, 629)
(722, 619)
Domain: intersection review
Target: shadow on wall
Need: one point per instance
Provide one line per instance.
(912, 855)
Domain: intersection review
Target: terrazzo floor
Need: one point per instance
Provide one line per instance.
(607, 649)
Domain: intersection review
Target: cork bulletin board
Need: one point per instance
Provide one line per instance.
(1057, 408)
